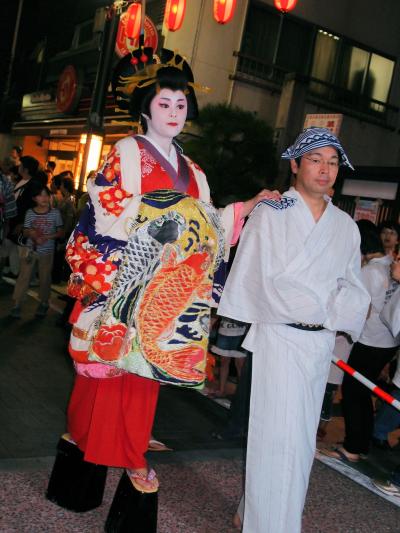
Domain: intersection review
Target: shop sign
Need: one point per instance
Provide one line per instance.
(40, 97)
(124, 45)
(366, 210)
(68, 90)
(57, 133)
(331, 121)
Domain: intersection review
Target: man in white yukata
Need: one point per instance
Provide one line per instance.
(296, 280)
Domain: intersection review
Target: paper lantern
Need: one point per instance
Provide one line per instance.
(174, 13)
(224, 10)
(285, 5)
(133, 21)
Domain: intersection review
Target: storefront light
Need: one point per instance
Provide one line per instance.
(94, 153)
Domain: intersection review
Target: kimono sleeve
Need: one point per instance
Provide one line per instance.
(93, 249)
(349, 304)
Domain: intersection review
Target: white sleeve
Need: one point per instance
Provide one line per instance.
(348, 306)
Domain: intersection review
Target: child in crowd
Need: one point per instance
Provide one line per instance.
(42, 226)
(231, 334)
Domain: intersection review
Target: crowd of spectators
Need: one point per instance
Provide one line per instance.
(38, 210)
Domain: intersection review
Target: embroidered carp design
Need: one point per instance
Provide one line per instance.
(155, 320)
(170, 293)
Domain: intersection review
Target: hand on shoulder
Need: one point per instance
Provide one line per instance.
(262, 195)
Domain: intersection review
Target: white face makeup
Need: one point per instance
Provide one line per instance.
(168, 115)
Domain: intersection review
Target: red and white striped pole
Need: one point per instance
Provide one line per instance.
(362, 379)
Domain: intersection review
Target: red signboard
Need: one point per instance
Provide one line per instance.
(124, 45)
(67, 90)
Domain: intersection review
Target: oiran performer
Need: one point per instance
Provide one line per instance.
(143, 257)
(296, 279)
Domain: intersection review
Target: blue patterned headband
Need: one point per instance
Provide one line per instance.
(313, 138)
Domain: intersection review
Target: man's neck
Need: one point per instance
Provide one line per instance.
(315, 202)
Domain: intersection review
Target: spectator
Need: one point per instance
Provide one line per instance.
(390, 234)
(374, 349)
(228, 343)
(28, 171)
(8, 210)
(67, 210)
(42, 226)
(56, 195)
(16, 154)
(51, 166)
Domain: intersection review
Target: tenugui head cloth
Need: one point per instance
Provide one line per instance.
(313, 138)
(134, 82)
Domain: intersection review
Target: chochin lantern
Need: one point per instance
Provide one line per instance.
(174, 13)
(133, 20)
(224, 10)
(285, 5)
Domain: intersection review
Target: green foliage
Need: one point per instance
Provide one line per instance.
(236, 151)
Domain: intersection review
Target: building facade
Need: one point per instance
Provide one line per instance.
(338, 59)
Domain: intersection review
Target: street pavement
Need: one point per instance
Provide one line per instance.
(201, 479)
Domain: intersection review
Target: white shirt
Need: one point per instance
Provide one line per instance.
(378, 282)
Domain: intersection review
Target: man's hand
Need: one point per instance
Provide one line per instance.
(262, 195)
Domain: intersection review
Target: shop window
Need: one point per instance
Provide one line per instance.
(342, 65)
(260, 35)
(294, 46)
(271, 40)
(381, 69)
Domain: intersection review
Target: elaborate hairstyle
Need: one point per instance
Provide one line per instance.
(136, 83)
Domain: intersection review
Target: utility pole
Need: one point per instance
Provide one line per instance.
(95, 120)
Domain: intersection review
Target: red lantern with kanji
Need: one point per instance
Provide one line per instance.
(285, 5)
(174, 13)
(224, 10)
(133, 20)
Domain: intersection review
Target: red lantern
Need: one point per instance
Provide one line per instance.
(285, 5)
(223, 10)
(133, 21)
(174, 13)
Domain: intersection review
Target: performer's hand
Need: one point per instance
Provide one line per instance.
(264, 194)
(395, 270)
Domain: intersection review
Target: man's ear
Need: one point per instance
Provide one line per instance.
(294, 166)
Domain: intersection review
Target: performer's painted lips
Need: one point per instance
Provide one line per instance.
(172, 124)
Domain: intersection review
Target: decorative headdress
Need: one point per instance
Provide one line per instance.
(312, 138)
(134, 79)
